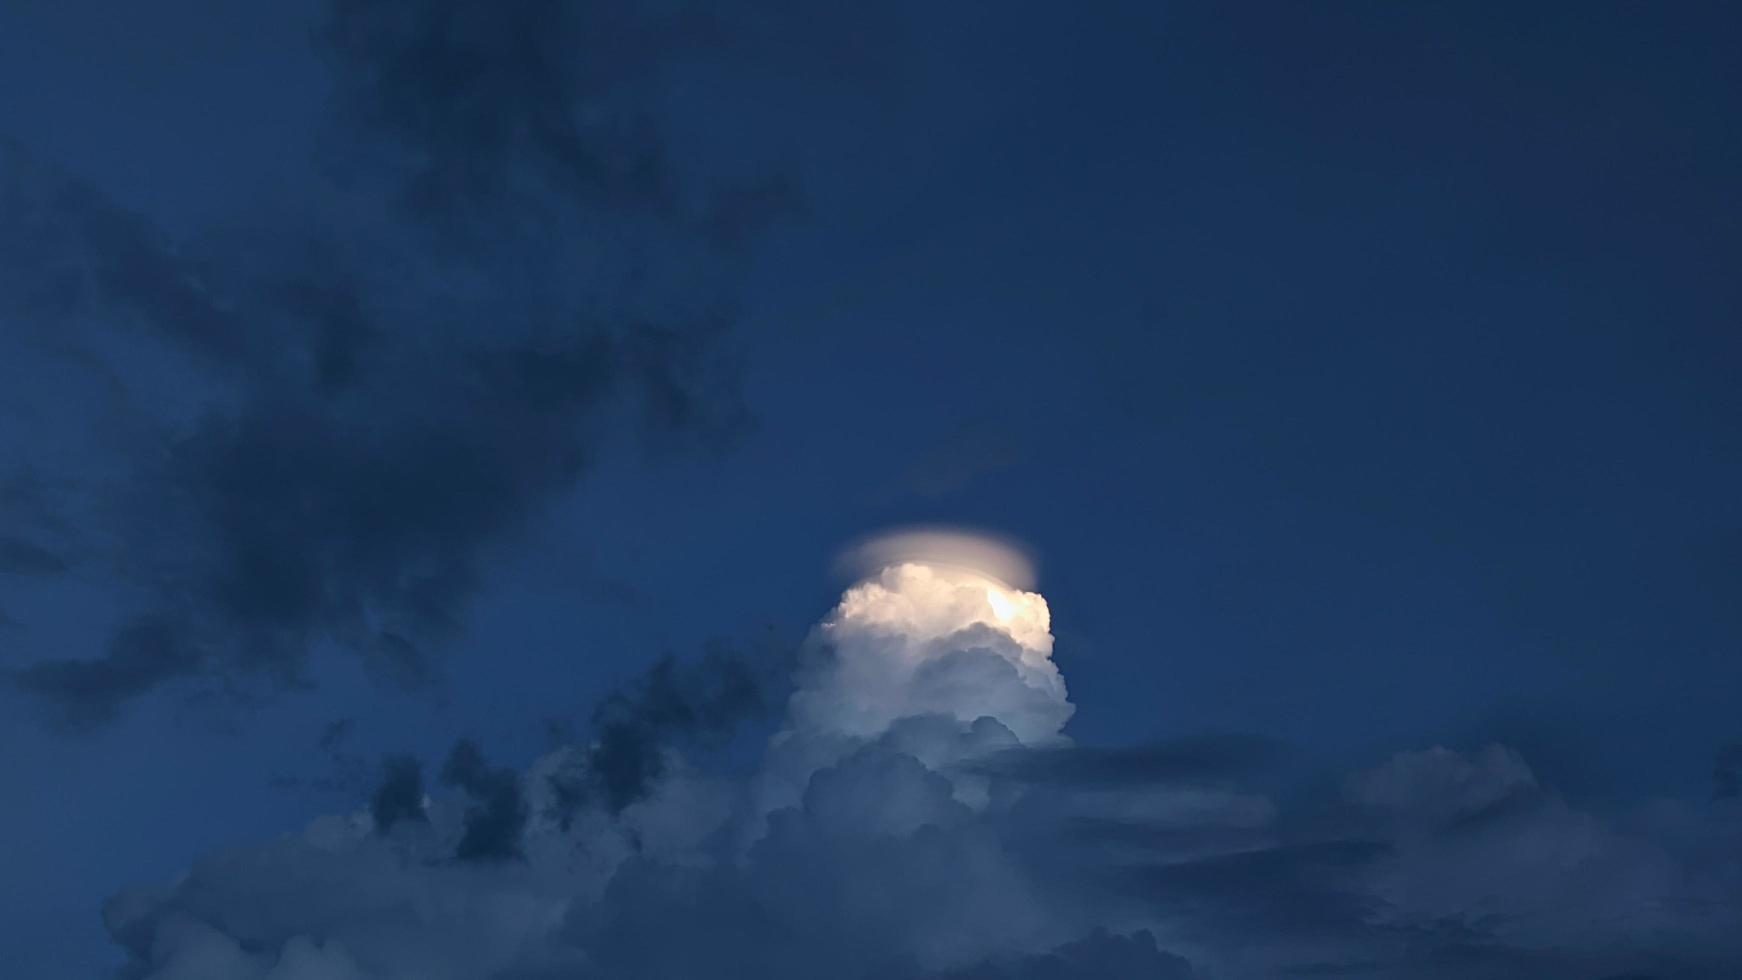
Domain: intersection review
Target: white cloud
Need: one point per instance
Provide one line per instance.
(920, 639)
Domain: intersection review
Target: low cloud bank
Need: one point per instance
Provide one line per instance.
(920, 814)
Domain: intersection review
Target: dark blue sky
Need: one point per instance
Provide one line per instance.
(1364, 376)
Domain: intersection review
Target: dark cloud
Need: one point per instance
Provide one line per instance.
(66, 250)
(1727, 773)
(363, 413)
(514, 98)
(334, 736)
(1432, 864)
(19, 556)
(399, 797)
(27, 520)
(1187, 759)
(1127, 838)
(739, 212)
(1288, 891)
(298, 523)
(478, 118)
(498, 813)
(26, 502)
(148, 652)
(633, 729)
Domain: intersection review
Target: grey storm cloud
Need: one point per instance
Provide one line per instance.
(365, 404)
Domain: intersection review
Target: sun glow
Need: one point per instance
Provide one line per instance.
(931, 602)
(1002, 607)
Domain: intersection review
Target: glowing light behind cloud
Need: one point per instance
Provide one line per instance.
(929, 603)
(937, 624)
(993, 556)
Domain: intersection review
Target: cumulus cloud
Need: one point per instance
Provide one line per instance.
(910, 837)
(922, 639)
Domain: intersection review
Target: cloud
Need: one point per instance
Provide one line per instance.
(1184, 759)
(399, 797)
(887, 865)
(929, 847)
(921, 639)
(19, 556)
(480, 102)
(1727, 773)
(634, 729)
(66, 249)
(739, 212)
(331, 420)
(146, 653)
(1436, 788)
(346, 772)
(1444, 864)
(26, 521)
(498, 814)
(480, 116)
(882, 865)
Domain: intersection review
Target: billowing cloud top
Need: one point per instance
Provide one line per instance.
(922, 639)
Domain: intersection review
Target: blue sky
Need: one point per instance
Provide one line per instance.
(1363, 377)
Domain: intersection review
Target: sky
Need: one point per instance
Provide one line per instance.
(429, 431)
